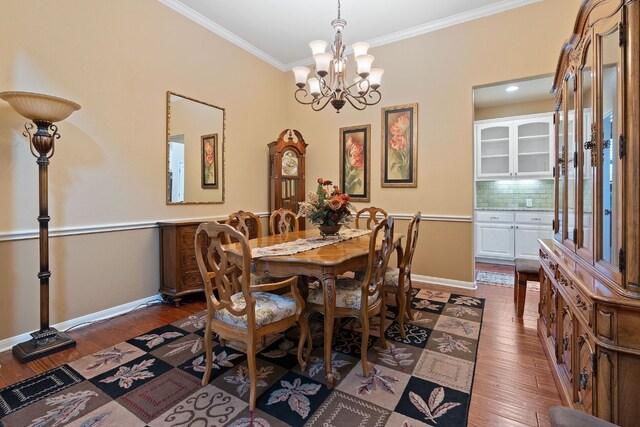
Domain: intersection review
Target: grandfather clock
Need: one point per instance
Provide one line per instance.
(286, 171)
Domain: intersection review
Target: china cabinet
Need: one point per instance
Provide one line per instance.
(590, 271)
(515, 147)
(287, 171)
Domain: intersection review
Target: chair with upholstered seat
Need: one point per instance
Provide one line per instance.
(373, 217)
(236, 309)
(397, 280)
(361, 299)
(283, 221)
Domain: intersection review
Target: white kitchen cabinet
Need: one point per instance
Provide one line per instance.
(515, 147)
(507, 235)
(526, 240)
(495, 241)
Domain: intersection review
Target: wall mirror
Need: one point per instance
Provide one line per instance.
(195, 151)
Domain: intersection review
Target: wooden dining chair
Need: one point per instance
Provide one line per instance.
(247, 223)
(250, 313)
(373, 216)
(361, 299)
(283, 221)
(397, 280)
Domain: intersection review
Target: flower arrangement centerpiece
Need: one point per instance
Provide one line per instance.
(327, 209)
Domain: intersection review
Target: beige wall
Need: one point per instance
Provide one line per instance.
(118, 58)
(438, 71)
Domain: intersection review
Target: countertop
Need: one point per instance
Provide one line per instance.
(516, 209)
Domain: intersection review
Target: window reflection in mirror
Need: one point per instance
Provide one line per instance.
(608, 172)
(193, 127)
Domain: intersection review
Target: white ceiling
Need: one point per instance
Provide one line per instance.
(529, 90)
(278, 31)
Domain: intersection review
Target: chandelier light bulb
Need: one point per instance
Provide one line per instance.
(364, 64)
(314, 86)
(301, 74)
(318, 46)
(360, 48)
(323, 61)
(375, 77)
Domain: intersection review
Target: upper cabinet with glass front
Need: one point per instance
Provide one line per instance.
(598, 161)
(515, 147)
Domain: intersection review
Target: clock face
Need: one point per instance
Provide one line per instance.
(289, 163)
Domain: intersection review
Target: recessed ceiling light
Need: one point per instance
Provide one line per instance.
(512, 88)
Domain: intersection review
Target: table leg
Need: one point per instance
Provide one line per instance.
(329, 292)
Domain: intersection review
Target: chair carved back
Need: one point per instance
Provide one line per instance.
(378, 259)
(223, 278)
(247, 223)
(283, 221)
(410, 248)
(373, 218)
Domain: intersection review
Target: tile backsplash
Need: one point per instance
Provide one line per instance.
(514, 194)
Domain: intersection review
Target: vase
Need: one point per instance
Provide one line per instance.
(329, 230)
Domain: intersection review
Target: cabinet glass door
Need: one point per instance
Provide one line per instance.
(588, 157)
(571, 155)
(609, 232)
(533, 143)
(560, 164)
(494, 155)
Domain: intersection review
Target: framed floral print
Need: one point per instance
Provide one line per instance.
(355, 168)
(209, 160)
(400, 146)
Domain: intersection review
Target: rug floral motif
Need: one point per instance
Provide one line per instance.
(155, 379)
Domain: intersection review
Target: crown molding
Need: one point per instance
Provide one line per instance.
(223, 32)
(460, 18)
(418, 30)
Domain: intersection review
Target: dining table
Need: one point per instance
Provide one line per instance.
(325, 263)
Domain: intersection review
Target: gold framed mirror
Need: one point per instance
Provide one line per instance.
(195, 151)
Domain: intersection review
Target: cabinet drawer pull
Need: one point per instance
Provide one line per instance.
(494, 217)
(536, 219)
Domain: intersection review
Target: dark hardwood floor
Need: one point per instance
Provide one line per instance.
(513, 385)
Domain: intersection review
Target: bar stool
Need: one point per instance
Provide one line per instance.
(526, 269)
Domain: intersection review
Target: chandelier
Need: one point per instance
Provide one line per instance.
(329, 82)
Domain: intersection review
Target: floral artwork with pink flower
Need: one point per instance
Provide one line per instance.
(209, 172)
(354, 163)
(398, 152)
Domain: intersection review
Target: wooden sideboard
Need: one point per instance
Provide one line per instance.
(179, 274)
(590, 271)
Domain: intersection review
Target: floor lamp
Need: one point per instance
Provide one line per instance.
(43, 110)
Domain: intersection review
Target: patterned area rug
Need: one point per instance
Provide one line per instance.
(501, 279)
(154, 379)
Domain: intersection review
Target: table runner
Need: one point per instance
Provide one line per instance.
(301, 245)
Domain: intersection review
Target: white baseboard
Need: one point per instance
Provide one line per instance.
(444, 282)
(6, 344)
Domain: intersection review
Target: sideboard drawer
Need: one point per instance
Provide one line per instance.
(494, 216)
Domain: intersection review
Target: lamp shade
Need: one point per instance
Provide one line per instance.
(360, 48)
(375, 77)
(318, 46)
(364, 64)
(301, 74)
(36, 106)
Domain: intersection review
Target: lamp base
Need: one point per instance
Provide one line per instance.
(43, 343)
